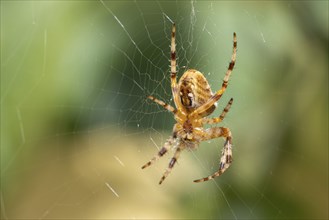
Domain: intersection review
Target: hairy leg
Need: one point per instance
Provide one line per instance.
(169, 144)
(200, 110)
(171, 163)
(221, 117)
(173, 71)
(226, 155)
(163, 104)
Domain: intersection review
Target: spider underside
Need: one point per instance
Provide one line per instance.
(194, 101)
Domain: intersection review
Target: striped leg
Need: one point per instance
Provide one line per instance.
(173, 71)
(221, 117)
(171, 164)
(226, 156)
(166, 106)
(203, 108)
(169, 143)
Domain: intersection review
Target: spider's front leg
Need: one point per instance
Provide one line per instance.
(226, 156)
(204, 107)
(173, 72)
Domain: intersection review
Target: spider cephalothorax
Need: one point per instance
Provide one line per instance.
(194, 101)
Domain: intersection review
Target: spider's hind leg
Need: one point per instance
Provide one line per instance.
(226, 156)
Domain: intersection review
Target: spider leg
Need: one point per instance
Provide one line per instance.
(221, 117)
(226, 156)
(171, 164)
(173, 71)
(169, 143)
(200, 110)
(163, 104)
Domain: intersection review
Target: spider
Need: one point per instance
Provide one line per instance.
(194, 100)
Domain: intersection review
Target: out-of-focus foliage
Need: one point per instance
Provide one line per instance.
(75, 126)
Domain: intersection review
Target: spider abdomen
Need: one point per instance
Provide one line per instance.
(194, 91)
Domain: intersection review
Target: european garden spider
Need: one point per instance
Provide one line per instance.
(194, 101)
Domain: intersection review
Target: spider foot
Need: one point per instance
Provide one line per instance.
(162, 179)
(164, 176)
(146, 165)
(150, 162)
(218, 173)
(225, 162)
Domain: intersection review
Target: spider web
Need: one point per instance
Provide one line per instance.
(76, 125)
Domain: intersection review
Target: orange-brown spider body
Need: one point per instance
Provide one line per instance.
(194, 101)
(194, 90)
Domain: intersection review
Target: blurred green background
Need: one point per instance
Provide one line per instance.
(76, 127)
